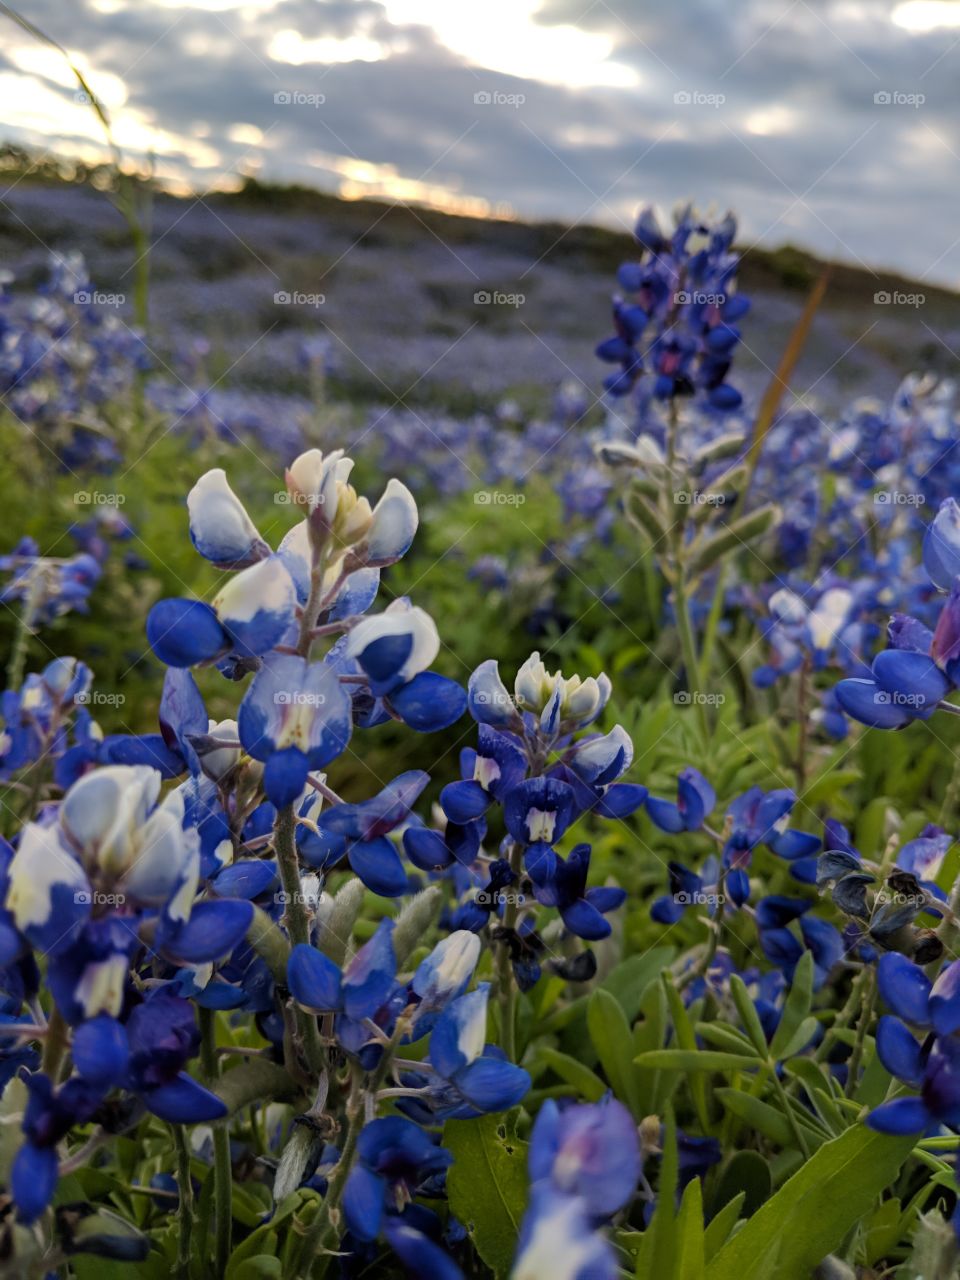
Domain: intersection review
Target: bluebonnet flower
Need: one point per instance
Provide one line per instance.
(479, 1080)
(359, 834)
(584, 1166)
(695, 802)
(679, 332)
(541, 777)
(48, 586)
(774, 915)
(688, 888)
(932, 1067)
(396, 1159)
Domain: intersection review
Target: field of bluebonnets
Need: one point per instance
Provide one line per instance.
(473, 818)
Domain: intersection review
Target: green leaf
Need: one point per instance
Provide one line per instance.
(487, 1185)
(585, 1081)
(691, 1253)
(746, 1174)
(725, 1037)
(812, 1212)
(693, 1060)
(882, 1231)
(818, 1090)
(627, 982)
(800, 1038)
(610, 1033)
(654, 1088)
(721, 1224)
(658, 1247)
(253, 1268)
(796, 1008)
(760, 1116)
(748, 1014)
(687, 1040)
(874, 1083)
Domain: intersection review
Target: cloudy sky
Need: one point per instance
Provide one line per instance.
(829, 123)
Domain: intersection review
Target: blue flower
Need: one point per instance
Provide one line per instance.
(695, 802)
(220, 528)
(941, 546)
(558, 1238)
(581, 909)
(359, 832)
(395, 1158)
(295, 717)
(483, 1081)
(591, 1152)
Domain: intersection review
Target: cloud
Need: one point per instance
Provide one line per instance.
(825, 122)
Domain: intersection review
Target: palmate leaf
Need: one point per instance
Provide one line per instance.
(812, 1212)
(487, 1185)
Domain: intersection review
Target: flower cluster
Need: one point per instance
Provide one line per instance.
(676, 331)
(911, 679)
(532, 773)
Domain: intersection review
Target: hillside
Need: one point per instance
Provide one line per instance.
(393, 288)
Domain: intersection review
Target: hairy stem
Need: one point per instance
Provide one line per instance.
(506, 986)
(185, 1214)
(222, 1168)
(312, 1257)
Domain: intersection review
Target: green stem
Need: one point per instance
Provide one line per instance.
(688, 646)
(54, 1045)
(788, 1111)
(222, 1168)
(25, 624)
(185, 1215)
(713, 620)
(951, 795)
(713, 941)
(506, 987)
(324, 1231)
(308, 619)
(297, 921)
(843, 1018)
(285, 845)
(868, 995)
(803, 715)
